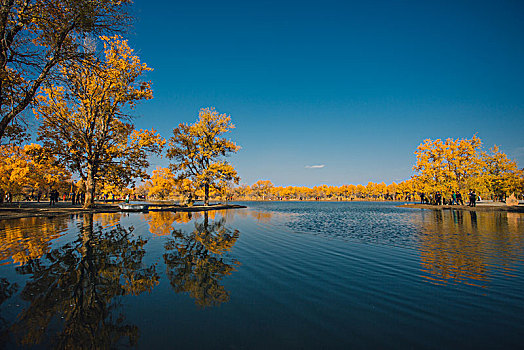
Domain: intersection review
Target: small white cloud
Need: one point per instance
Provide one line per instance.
(320, 166)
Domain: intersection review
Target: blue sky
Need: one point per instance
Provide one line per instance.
(353, 86)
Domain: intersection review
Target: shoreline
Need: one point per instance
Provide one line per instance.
(480, 207)
(33, 209)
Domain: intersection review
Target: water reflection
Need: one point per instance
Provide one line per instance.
(73, 290)
(161, 223)
(262, 216)
(106, 220)
(258, 215)
(197, 261)
(465, 247)
(20, 242)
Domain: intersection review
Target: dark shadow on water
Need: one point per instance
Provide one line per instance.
(197, 261)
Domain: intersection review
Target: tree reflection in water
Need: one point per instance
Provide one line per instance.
(73, 289)
(464, 246)
(197, 261)
(25, 239)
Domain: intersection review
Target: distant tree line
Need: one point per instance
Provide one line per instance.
(458, 165)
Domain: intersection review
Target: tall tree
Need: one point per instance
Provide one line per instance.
(84, 123)
(199, 151)
(39, 35)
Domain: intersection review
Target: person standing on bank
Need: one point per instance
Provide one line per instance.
(472, 198)
(459, 198)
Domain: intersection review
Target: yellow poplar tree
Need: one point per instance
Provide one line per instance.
(446, 166)
(262, 188)
(38, 36)
(500, 175)
(163, 183)
(29, 168)
(198, 151)
(14, 169)
(83, 122)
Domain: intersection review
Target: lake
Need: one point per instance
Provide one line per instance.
(301, 275)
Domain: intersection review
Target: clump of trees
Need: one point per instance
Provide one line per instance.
(461, 164)
(265, 190)
(29, 170)
(49, 61)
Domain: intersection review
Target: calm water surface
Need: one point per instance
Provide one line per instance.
(275, 275)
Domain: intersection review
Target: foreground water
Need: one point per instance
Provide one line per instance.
(275, 275)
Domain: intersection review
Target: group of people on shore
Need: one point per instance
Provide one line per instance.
(75, 197)
(456, 198)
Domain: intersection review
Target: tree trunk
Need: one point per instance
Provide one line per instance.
(90, 189)
(206, 196)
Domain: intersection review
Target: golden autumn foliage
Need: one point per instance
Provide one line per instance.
(262, 188)
(198, 152)
(38, 36)
(265, 190)
(163, 184)
(500, 175)
(29, 168)
(459, 165)
(84, 125)
(447, 166)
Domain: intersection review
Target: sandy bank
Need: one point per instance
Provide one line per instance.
(34, 209)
